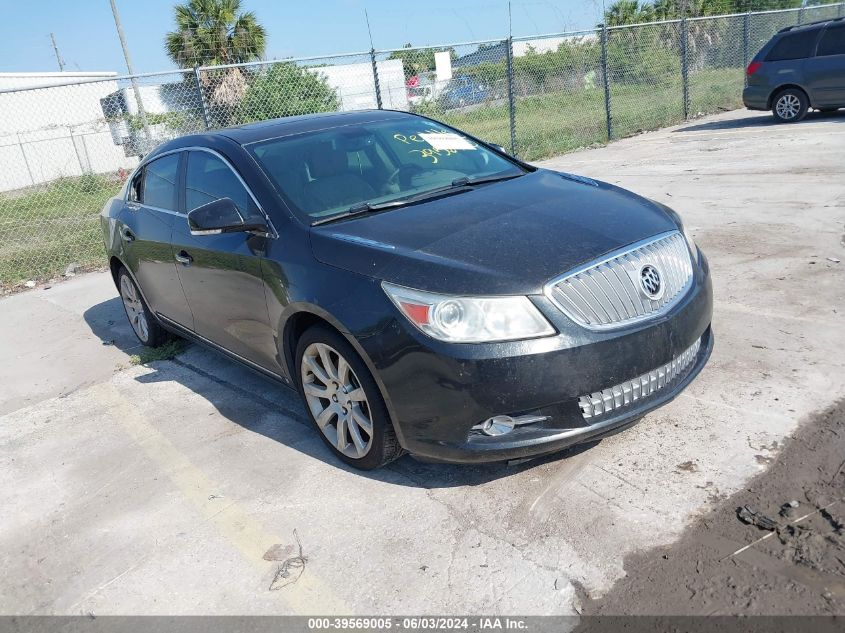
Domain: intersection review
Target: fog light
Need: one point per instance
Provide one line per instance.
(497, 425)
(502, 424)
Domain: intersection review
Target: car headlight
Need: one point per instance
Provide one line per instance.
(470, 319)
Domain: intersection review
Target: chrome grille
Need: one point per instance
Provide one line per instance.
(607, 400)
(608, 293)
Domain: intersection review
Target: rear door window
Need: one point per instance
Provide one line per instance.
(833, 41)
(159, 185)
(794, 46)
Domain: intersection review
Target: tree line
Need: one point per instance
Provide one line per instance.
(635, 12)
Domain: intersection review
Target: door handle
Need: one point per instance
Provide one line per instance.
(183, 258)
(127, 235)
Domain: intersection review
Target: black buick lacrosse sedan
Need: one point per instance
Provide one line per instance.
(423, 290)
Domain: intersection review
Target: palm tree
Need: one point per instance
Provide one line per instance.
(214, 32)
(210, 32)
(628, 12)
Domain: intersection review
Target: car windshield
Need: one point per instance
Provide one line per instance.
(330, 172)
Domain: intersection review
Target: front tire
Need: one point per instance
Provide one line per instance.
(343, 400)
(142, 321)
(790, 105)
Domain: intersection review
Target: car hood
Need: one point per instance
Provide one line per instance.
(508, 237)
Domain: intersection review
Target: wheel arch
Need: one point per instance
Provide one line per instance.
(301, 317)
(115, 264)
(779, 89)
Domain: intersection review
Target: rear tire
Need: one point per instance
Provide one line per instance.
(141, 320)
(343, 400)
(790, 105)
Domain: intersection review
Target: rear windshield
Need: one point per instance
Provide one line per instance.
(794, 46)
(326, 173)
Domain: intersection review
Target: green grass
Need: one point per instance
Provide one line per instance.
(42, 231)
(559, 122)
(168, 351)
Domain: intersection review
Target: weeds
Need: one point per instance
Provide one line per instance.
(168, 351)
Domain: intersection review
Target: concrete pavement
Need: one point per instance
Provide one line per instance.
(158, 490)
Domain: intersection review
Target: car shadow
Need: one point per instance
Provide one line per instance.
(107, 320)
(256, 403)
(763, 120)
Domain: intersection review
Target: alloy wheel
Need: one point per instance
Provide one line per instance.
(788, 106)
(337, 400)
(134, 308)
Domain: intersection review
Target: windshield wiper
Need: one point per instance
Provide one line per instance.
(458, 185)
(368, 207)
(480, 180)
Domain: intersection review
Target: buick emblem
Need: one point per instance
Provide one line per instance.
(651, 282)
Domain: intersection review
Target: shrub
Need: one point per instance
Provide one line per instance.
(286, 89)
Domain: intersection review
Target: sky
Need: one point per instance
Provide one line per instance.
(87, 39)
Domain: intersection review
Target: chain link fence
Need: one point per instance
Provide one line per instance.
(68, 146)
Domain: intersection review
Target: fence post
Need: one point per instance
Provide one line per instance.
(205, 117)
(25, 160)
(511, 95)
(840, 12)
(685, 66)
(375, 78)
(76, 151)
(746, 37)
(606, 81)
(801, 15)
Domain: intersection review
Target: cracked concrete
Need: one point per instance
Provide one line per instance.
(159, 489)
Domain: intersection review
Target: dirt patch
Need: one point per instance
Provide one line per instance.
(798, 569)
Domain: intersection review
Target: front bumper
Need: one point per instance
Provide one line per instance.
(547, 438)
(436, 392)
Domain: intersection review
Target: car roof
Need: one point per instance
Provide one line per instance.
(274, 128)
(818, 24)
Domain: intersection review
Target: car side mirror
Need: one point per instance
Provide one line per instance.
(498, 148)
(223, 216)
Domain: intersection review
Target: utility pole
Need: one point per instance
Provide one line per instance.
(511, 95)
(56, 51)
(132, 78)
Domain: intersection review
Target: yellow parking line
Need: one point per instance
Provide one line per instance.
(307, 595)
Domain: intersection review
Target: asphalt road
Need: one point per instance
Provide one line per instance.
(160, 489)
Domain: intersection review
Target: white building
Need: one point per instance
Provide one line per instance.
(49, 130)
(66, 124)
(355, 84)
(549, 44)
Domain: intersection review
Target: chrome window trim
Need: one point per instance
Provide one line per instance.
(550, 285)
(198, 148)
(162, 210)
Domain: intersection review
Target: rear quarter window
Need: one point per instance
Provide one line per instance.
(793, 46)
(833, 41)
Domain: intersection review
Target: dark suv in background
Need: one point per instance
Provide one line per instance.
(801, 67)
